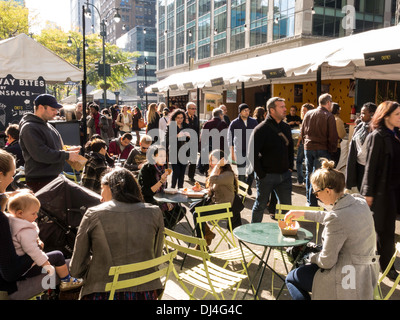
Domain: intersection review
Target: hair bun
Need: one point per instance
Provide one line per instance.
(327, 164)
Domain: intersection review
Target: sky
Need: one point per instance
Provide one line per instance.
(57, 11)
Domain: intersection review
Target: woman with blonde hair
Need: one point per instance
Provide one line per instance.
(347, 266)
(153, 118)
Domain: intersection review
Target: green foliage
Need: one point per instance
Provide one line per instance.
(13, 19)
(120, 61)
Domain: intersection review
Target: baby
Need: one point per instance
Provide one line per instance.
(23, 208)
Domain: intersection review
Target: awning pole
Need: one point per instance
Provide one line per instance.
(168, 98)
(198, 107)
(319, 81)
(243, 93)
(84, 127)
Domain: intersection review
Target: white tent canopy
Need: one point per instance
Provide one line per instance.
(338, 58)
(98, 94)
(24, 58)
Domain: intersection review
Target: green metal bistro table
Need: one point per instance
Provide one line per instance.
(177, 198)
(269, 236)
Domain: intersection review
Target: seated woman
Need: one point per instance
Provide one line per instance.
(121, 230)
(96, 165)
(347, 266)
(222, 187)
(153, 178)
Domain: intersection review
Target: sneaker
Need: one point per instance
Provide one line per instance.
(298, 184)
(73, 283)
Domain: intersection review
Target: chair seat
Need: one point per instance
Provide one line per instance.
(221, 279)
(234, 254)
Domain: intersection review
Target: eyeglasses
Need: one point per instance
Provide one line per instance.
(315, 193)
(145, 148)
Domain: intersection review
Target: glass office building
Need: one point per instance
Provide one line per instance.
(196, 33)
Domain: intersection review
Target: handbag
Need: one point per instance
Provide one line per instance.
(141, 123)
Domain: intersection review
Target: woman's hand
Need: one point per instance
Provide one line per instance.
(370, 200)
(293, 215)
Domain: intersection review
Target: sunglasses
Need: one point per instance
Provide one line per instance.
(315, 193)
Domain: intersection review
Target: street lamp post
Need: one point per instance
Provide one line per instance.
(103, 33)
(145, 78)
(78, 56)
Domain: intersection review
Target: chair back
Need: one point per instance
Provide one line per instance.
(185, 244)
(285, 207)
(163, 271)
(242, 189)
(214, 214)
(378, 294)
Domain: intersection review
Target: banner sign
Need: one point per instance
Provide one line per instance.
(383, 57)
(17, 98)
(274, 73)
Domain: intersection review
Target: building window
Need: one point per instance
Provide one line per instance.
(283, 19)
(219, 47)
(328, 17)
(220, 22)
(219, 3)
(204, 7)
(204, 52)
(258, 35)
(204, 27)
(180, 58)
(238, 13)
(237, 41)
(191, 12)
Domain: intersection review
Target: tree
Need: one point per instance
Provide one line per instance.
(13, 19)
(120, 61)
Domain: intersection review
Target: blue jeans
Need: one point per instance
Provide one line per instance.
(300, 280)
(281, 183)
(299, 163)
(313, 163)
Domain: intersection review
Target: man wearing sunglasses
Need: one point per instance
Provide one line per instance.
(137, 157)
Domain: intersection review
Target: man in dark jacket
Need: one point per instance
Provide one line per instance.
(42, 145)
(207, 138)
(271, 146)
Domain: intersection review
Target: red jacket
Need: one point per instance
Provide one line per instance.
(115, 149)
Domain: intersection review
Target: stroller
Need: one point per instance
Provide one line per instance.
(63, 204)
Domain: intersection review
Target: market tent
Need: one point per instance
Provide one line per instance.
(24, 58)
(337, 58)
(98, 94)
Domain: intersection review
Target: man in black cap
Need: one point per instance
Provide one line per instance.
(42, 145)
(239, 133)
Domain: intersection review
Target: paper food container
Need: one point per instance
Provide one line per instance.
(286, 231)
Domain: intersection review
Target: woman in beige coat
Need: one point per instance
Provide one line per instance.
(347, 267)
(122, 230)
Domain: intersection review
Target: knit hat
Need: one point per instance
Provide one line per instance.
(243, 106)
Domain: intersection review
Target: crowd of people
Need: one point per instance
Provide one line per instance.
(128, 169)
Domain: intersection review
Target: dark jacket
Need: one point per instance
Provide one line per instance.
(377, 174)
(318, 131)
(237, 130)
(11, 266)
(173, 144)
(41, 146)
(147, 178)
(135, 158)
(15, 149)
(94, 169)
(214, 123)
(272, 152)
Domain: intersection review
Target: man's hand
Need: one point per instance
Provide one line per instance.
(73, 156)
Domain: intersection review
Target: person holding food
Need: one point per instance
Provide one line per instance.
(41, 144)
(153, 179)
(347, 266)
(222, 186)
